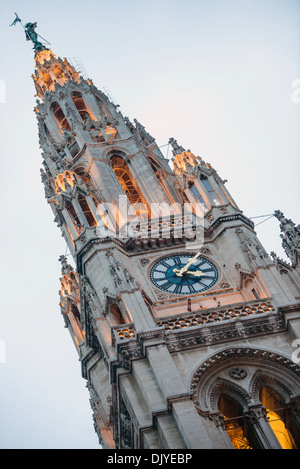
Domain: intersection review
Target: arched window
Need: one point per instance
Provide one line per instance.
(154, 166)
(276, 415)
(198, 196)
(129, 186)
(116, 316)
(73, 215)
(86, 210)
(59, 116)
(254, 397)
(76, 314)
(215, 199)
(234, 421)
(80, 105)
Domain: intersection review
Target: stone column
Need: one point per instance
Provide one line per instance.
(260, 428)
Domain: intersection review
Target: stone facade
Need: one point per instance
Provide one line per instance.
(178, 362)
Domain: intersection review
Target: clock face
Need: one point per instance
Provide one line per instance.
(184, 274)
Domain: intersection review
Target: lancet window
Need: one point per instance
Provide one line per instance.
(129, 186)
(60, 116)
(73, 215)
(116, 316)
(86, 210)
(215, 199)
(76, 314)
(80, 105)
(198, 197)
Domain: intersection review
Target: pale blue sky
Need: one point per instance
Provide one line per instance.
(216, 75)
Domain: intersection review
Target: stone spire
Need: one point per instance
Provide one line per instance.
(290, 235)
(51, 70)
(66, 268)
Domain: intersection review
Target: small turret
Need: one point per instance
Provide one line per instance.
(290, 235)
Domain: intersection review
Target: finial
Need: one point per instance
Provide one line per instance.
(279, 215)
(177, 149)
(65, 267)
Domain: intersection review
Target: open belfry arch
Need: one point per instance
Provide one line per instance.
(182, 322)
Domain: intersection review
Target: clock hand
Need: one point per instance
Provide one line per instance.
(195, 273)
(179, 272)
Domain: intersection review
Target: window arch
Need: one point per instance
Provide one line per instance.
(86, 210)
(253, 395)
(116, 315)
(129, 185)
(76, 314)
(80, 105)
(214, 197)
(60, 116)
(198, 196)
(73, 215)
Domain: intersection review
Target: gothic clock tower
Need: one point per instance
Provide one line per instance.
(184, 326)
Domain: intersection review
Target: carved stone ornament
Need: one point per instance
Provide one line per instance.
(237, 373)
(144, 261)
(244, 353)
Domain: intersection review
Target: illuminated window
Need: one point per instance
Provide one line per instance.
(73, 215)
(59, 116)
(76, 314)
(276, 414)
(86, 210)
(233, 414)
(129, 187)
(116, 315)
(212, 193)
(198, 197)
(111, 131)
(80, 105)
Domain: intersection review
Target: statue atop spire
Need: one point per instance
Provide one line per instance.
(31, 34)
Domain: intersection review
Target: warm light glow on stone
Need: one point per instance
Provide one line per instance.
(64, 179)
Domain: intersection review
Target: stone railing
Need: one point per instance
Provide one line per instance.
(215, 315)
